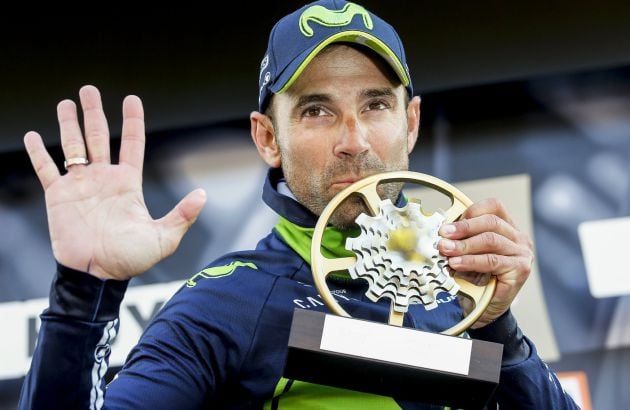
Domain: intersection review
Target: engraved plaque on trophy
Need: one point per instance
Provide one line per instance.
(395, 253)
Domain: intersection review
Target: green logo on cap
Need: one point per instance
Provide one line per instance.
(332, 18)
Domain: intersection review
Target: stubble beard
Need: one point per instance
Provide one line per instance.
(314, 190)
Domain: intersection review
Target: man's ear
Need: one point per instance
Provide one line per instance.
(264, 136)
(413, 123)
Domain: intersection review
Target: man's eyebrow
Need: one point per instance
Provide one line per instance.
(310, 98)
(378, 92)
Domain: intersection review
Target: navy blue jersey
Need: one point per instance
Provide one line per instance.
(221, 340)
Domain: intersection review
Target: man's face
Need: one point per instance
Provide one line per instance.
(344, 118)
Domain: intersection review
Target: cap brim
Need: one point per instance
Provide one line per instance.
(293, 70)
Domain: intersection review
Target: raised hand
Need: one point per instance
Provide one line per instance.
(485, 240)
(97, 217)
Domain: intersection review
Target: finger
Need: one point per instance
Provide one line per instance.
(95, 124)
(132, 138)
(175, 224)
(43, 164)
(71, 137)
(474, 226)
(486, 242)
(488, 206)
(491, 263)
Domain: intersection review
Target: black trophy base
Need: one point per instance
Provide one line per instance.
(307, 361)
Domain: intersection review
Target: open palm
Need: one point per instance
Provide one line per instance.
(97, 217)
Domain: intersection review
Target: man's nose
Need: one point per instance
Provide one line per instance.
(353, 138)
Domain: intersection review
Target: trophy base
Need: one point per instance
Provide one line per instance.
(332, 350)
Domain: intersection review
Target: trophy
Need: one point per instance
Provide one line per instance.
(396, 254)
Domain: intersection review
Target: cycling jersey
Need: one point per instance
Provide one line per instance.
(221, 340)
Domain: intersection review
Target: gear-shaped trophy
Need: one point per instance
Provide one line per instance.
(396, 252)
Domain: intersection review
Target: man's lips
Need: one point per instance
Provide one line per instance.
(345, 181)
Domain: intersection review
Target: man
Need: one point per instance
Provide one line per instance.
(335, 105)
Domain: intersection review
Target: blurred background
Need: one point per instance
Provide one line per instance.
(530, 93)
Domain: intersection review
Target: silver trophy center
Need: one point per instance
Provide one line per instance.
(397, 255)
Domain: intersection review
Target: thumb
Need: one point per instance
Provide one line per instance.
(175, 224)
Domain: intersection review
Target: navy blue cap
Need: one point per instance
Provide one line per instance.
(297, 38)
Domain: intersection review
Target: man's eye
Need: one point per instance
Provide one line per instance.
(377, 105)
(313, 112)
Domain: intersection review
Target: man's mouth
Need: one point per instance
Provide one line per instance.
(345, 181)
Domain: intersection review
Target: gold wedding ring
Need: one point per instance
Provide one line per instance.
(75, 161)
